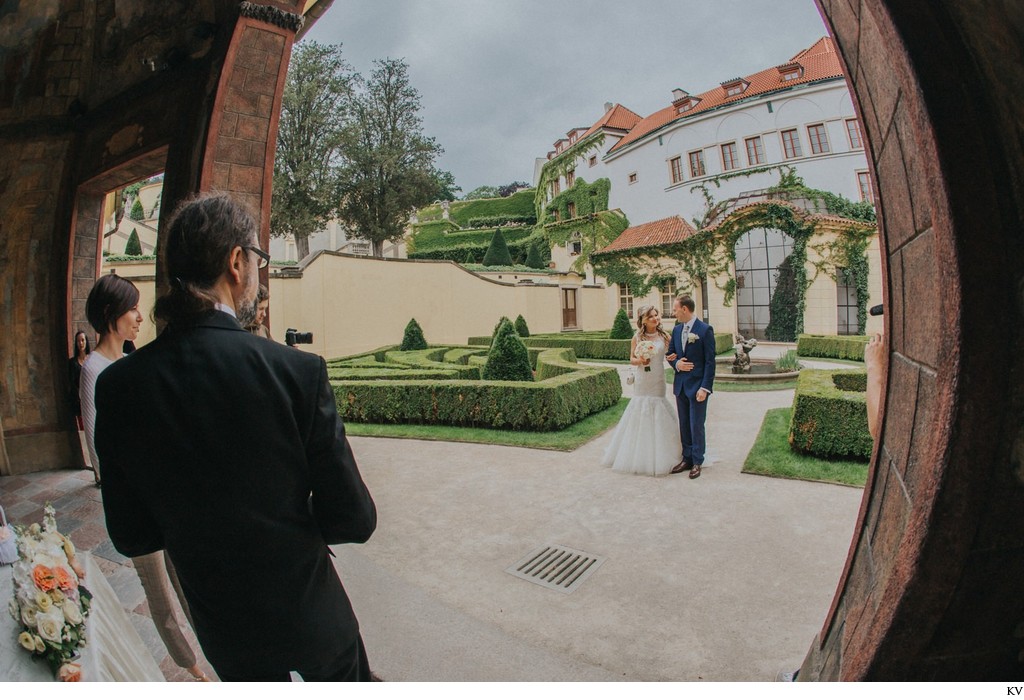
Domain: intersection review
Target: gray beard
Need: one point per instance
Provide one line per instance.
(247, 313)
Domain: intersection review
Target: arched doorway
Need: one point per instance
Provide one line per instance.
(760, 254)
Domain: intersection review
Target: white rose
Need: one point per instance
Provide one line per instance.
(72, 613)
(28, 616)
(14, 609)
(39, 643)
(43, 601)
(25, 640)
(51, 625)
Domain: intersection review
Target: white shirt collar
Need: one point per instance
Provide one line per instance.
(226, 309)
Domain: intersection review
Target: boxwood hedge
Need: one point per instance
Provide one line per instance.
(563, 394)
(840, 347)
(830, 417)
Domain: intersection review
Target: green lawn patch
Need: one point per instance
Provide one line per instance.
(565, 440)
(772, 456)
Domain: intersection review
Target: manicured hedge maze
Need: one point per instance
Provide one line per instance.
(441, 386)
(840, 347)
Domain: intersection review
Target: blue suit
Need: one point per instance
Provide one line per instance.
(692, 413)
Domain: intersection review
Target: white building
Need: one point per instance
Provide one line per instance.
(798, 114)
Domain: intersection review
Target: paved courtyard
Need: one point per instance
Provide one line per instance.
(727, 577)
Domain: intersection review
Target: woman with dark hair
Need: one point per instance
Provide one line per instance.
(113, 310)
(75, 362)
(262, 302)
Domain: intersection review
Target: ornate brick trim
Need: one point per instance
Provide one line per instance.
(272, 15)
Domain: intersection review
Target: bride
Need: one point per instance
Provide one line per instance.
(646, 441)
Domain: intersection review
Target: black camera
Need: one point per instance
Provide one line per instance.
(292, 338)
(876, 310)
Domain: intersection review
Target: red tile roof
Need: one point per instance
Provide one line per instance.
(674, 229)
(618, 117)
(819, 62)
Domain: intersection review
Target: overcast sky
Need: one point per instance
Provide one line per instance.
(502, 80)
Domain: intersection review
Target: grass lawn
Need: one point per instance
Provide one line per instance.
(852, 363)
(565, 440)
(772, 456)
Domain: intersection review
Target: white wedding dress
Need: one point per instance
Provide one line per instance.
(646, 440)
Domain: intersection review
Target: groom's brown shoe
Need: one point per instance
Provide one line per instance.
(683, 466)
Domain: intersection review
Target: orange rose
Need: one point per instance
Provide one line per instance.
(69, 673)
(43, 578)
(64, 580)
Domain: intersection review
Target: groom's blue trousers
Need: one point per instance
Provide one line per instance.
(691, 426)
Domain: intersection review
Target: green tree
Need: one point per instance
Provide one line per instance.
(134, 245)
(470, 260)
(137, 214)
(446, 187)
(483, 192)
(521, 328)
(782, 306)
(413, 338)
(388, 164)
(497, 327)
(497, 252)
(508, 359)
(621, 327)
(535, 258)
(314, 109)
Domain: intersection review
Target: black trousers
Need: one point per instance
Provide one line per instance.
(350, 666)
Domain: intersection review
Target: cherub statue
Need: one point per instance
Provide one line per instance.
(741, 362)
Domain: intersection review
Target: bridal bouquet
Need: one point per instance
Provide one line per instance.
(49, 602)
(645, 351)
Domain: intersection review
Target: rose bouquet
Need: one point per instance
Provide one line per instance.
(49, 601)
(645, 351)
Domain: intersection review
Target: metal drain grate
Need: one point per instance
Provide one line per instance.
(556, 567)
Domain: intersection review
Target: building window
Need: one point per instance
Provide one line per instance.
(755, 151)
(626, 299)
(572, 210)
(632, 178)
(555, 188)
(668, 297)
(864, 184)
(697, 164)
(819, 138)
(592, 162)
(853, 131)
(676, 166)
(570, 179)
(791, 74)
(575, 245)
(846, 303)
(734, 90)
(730, 161)
(791, 144)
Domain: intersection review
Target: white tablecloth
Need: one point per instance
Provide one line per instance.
(114, 652)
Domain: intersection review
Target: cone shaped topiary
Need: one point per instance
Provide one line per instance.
(413, 338)
(621, 327)
(134, 245)
(497, 252)
(470, 260)
(508, 359)
(497, 327)
(521, 328)
(535, 258)
(137, 214)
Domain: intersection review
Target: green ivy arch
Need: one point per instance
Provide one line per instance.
(711, 254)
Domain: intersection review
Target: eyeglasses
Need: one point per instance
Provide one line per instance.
(263, 255)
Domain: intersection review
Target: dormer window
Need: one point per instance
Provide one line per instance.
(791, 71)
(736, 86)
(683, 101)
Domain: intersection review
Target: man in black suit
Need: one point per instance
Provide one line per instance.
(228, 452)
(693, 344)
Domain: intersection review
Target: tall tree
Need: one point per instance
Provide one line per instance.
(388, 164)
(314, 109)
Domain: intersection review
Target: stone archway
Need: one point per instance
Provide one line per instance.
(931, 589)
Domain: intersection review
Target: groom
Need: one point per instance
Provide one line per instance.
(692, 350)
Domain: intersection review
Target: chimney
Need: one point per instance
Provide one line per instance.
(679, 94)
(608, 107)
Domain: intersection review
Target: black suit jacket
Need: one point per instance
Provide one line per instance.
(232, 457)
